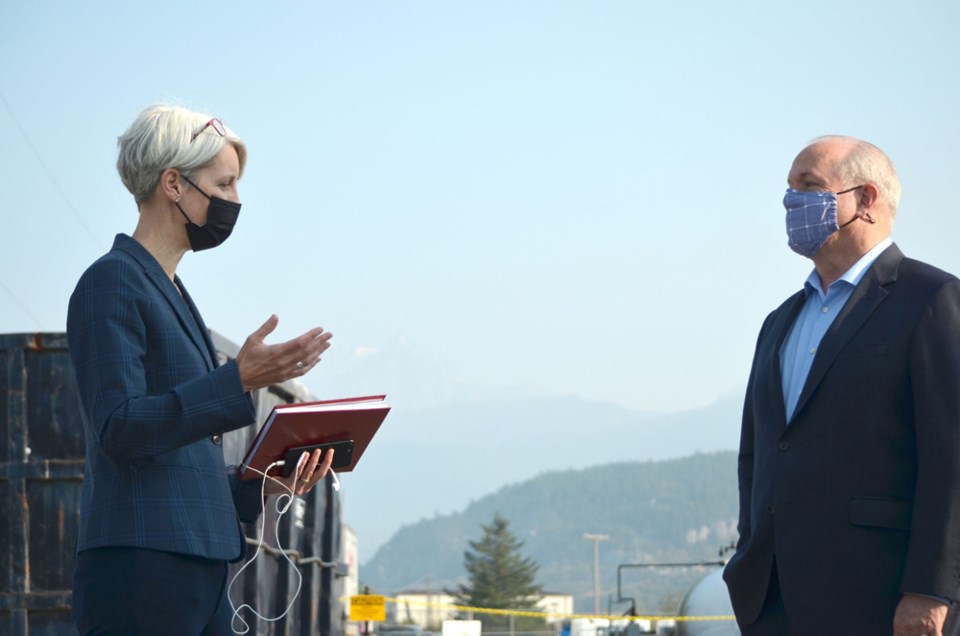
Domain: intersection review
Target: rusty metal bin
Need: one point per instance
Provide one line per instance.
(41, 472)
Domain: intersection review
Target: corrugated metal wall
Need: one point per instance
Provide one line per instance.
(41, 472)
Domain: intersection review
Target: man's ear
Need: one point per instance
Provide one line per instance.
(171, 184)
(868, 197)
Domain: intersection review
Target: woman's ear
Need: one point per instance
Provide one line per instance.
(171, 184)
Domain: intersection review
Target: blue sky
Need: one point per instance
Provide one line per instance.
(573, 196)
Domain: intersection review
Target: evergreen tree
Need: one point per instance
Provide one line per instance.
(499, 577)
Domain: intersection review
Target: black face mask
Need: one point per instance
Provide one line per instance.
(221, 217)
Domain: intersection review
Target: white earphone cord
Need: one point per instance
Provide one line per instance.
(282, 507)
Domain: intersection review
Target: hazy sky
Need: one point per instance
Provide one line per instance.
(577, 196)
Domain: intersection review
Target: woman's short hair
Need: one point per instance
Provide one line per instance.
(164, 137)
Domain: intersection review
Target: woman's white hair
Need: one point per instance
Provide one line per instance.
(164, 137)
(865, 163)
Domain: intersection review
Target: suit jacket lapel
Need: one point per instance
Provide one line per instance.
(183, 307)
(779, 329)
(868, 295)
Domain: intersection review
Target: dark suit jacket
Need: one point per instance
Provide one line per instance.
(858, 499)
(154, 397)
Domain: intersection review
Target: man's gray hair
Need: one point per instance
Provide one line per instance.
(865, 163)
(164, 137)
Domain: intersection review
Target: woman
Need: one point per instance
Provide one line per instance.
(159, 509)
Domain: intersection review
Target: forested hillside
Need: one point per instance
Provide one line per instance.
(673, 510)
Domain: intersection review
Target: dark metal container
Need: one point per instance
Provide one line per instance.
(41, 472)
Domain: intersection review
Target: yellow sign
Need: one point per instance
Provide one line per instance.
(368, 607)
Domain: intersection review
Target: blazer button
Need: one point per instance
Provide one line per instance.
(783, 445)
(217, 439)
(770, 508)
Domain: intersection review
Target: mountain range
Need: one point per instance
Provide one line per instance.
(676, 511)
(446, 444)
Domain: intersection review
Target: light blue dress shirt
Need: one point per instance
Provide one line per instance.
(818, 313)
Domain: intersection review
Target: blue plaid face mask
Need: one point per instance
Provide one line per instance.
(811, 219)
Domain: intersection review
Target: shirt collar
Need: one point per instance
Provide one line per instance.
(853, 275)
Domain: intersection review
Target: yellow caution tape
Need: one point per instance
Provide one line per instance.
(507, 612)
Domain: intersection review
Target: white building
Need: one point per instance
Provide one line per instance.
(425, 608)
(557, 606)
(429, 608)
(351, 584)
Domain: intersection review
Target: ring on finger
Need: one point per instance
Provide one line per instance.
(299, 365)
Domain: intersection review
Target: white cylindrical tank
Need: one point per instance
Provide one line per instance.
(708, 597)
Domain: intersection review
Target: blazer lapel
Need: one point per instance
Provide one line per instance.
(181, 305)
(198, 321)
(868, 295)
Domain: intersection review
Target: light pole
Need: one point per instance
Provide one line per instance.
(596, 538)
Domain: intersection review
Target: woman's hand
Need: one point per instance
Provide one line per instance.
(261, 364)
(302, 480)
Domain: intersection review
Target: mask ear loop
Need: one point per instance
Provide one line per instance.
(859, 217)
(282, 505)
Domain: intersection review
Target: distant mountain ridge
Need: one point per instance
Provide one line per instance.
(671, 510)
(445, 443)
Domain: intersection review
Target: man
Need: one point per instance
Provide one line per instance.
(849, 463)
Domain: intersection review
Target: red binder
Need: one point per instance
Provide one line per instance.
(347, 424)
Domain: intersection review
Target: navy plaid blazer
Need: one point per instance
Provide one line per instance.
(154, 403)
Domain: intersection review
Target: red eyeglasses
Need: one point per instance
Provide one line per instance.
(214, 123)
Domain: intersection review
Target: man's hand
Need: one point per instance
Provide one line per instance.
(919, 616)
(262, 364)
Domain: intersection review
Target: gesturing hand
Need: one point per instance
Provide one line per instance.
(262, 364)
